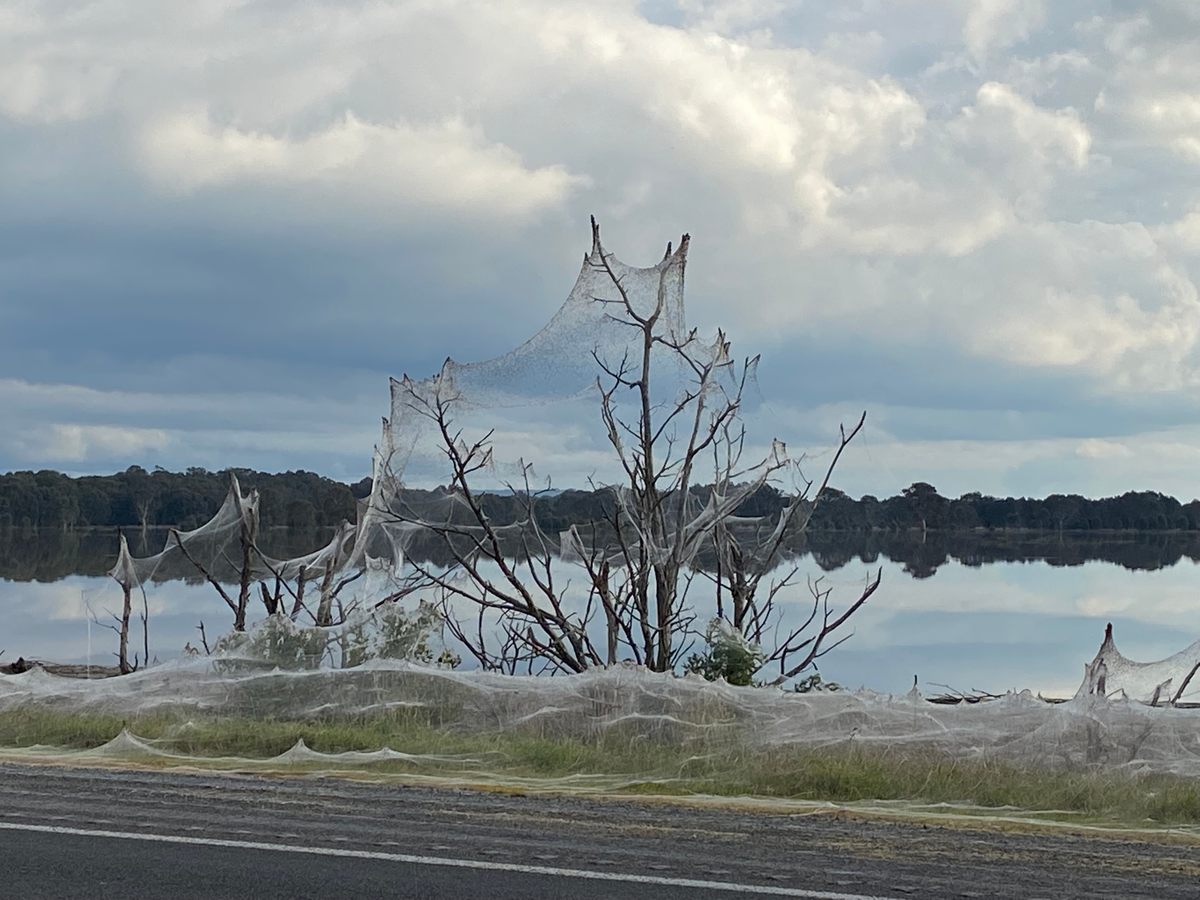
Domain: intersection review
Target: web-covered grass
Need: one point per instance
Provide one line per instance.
(614, 760)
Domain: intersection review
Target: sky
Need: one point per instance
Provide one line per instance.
(224, 225)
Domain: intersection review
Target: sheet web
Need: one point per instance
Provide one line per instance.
(1162, 682)
(632, 713)
(369, 563)
(355, 638)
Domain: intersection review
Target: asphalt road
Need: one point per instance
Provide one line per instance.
(91, 832)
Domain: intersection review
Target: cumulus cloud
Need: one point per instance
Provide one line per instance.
(1103, 298)
(447, 166)
(1149, 94)
(994, 25)
(1004, 120)
(1182, 234)
(1000, 193)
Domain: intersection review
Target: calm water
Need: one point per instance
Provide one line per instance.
(986, 612)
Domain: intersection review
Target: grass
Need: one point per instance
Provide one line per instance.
(628, 762)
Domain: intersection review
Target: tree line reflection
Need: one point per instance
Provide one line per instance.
(52, 554)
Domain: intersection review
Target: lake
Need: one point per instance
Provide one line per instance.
(987, 611)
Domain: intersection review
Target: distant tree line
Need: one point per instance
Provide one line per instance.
(136, 498)
(921, 507)
(304, 500)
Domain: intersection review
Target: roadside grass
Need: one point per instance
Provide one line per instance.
(634, 763)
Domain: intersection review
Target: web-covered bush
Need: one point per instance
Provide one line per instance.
(388, 632)
(729, 656)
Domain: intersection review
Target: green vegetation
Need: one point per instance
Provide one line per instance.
(728, 655)
(136, 497)
(842, 774)
(49, 512)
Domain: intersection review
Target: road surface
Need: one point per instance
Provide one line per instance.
(67, 832)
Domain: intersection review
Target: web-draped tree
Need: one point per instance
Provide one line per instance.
(671, 405)
(676, 545)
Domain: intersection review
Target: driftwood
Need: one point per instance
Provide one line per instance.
(16, 668)
(954, 695)
(65, 670)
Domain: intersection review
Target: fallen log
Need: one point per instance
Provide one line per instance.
(65, 670)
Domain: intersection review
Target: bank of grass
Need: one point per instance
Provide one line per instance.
(848, 774)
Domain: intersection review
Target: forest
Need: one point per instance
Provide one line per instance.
(304, 500)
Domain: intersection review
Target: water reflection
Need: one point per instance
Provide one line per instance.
(49, 555)
(34, 554)
(1004, 610)
(921, 555)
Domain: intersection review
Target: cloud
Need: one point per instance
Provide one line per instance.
(993, 25)
(46, 93)
(1042, 136)
(447, 166)
(46, 445)
(1097, 448)
(1104, 298)
(222, 229)
(65, 426)
(1148, 96)
(1159, 460)
(75, 443)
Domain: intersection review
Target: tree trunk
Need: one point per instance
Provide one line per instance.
(239, 621)
(126, 612)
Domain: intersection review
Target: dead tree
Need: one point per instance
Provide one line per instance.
(123, 652)
(506, 570)
(120, 625)
(239, 613)
(247, 549)
(125, 575)
(745, 561)
(247, 538)
(659, 527)
(800, 649)
(669, 402)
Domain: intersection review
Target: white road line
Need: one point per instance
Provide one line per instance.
(485, 865)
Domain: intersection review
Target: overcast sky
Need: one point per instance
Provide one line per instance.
(223, 225)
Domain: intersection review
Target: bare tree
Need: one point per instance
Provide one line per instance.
(503, 569)
(745, 561)
(671, 406)
(123, 574)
